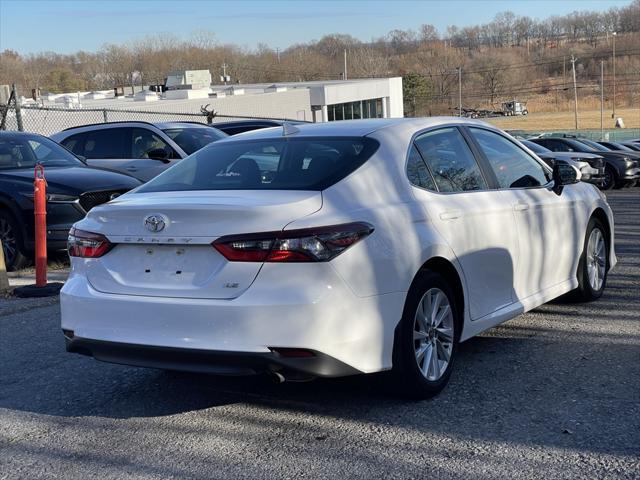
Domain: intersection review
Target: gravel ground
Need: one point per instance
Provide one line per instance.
(554, 393)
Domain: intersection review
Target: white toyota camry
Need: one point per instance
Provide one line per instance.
(333, 249)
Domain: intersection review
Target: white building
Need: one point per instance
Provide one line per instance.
(317, 101)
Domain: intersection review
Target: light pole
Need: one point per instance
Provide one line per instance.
(459, 91)
(613, 115)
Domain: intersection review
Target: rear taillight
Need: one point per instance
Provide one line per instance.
(306, 245)
(87, 244)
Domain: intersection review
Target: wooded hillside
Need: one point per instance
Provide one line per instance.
(509, 57)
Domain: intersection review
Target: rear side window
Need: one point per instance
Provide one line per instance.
(417, 171)
(75, 143)
(450, 160)
(103, 143)
(513, 167)
(310, 163)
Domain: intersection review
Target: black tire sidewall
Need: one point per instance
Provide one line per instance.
(405, 368)
(585, 291)
(20, 260)
(609, 170)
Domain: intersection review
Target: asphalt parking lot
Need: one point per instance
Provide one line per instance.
(554, 393)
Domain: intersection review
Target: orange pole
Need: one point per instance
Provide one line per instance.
(40, 210)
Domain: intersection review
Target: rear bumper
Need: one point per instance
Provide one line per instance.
(301, 306)
(205, 361)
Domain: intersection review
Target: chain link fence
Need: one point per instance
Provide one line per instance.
(49, 120)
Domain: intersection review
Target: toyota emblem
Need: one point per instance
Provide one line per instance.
(155, 223)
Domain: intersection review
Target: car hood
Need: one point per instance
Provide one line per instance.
(75, 180)
(573, 155)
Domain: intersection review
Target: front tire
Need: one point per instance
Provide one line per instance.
(610, 178)
(14, 255)
(594, 263)
(426, 340)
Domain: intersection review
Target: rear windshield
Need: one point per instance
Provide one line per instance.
(269, 164)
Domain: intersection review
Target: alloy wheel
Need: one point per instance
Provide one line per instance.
(596, 259)
(9, 240)
(433, 334)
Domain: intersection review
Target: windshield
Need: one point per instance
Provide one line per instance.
(192, 139)
(270, 164)
(622, 147)
(24, 151)
(535, 147)
(580, 146)
(595, 145)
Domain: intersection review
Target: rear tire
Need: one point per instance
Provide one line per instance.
(594, 263)
(12, 245)
(430, 325)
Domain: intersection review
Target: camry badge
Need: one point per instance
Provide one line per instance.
(154, 223)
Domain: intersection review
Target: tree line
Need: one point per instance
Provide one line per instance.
(511, 56)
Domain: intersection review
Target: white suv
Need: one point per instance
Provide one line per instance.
(333, 249)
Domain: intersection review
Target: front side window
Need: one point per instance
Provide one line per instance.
(273, 164)
(513, 167)
(144, 142)
(417, 170)
(450, 160)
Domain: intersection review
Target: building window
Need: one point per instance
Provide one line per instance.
(355, 110)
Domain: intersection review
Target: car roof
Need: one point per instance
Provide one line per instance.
(160, 125)
(358, 128)
(9, 134)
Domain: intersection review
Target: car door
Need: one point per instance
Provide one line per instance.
(548, 230)
(468, 214)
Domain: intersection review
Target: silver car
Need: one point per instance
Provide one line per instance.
(140, 149)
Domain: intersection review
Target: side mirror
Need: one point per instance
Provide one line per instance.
(564, 174)
(159, 154)
(82, 158)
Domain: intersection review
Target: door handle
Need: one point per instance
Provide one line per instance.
(450, 215)
(131, 169)
(521, 207)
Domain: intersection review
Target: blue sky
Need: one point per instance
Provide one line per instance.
(67, 26)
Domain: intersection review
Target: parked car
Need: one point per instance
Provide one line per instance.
(619, 146)
(362, 246)
(620, 169)
(591, 166)
(72, 190)
(140, 149)
(633, 146)
(240, 126)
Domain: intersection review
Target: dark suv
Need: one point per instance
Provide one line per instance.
(140, 149)
(620, 169)
(73, 189)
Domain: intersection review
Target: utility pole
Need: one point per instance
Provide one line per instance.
(613, 115)
(345, 64)
(564, 72)
(602, 100)
(575, 90)
(278, 53)
(460, 91)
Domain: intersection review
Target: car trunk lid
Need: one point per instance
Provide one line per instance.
(177, 259)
